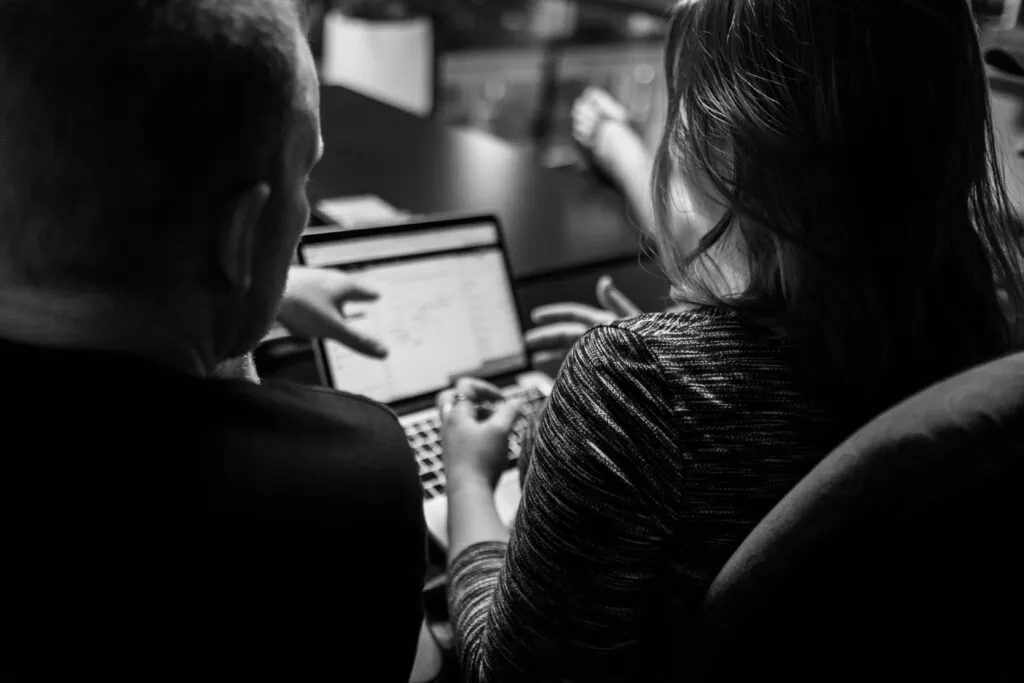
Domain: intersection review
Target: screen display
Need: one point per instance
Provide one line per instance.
(446, 309)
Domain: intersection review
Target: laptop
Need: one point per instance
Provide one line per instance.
(446, 310)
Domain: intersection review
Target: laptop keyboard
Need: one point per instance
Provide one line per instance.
(425, 438)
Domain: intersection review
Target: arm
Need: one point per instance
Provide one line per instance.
(601, 125)
(635, 182)
(472, 515)
(579, 591)
(323, 552)
(475, 454)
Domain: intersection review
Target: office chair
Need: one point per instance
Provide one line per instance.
(896, 558)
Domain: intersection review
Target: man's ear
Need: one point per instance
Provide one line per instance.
(238, 236)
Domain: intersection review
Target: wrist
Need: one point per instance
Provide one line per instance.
(467, 479)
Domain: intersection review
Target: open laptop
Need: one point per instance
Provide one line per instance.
(446, 310)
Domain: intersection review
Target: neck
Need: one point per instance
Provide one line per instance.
(722, 271)
(103, 321)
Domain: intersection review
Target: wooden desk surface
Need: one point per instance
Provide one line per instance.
(554, 220)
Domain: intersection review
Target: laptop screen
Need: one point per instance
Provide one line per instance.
(446, 307)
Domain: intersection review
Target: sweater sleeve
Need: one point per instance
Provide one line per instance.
(579, 591)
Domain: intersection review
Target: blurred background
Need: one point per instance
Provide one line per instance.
(511, 68)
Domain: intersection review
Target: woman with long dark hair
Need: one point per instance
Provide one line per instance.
(833, 226)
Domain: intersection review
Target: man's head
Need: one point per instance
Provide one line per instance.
(158, 148)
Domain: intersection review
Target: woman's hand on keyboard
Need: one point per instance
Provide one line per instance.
(475, 445)
(560, 325)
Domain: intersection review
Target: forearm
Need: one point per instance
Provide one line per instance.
(635, 184)
(472, 514)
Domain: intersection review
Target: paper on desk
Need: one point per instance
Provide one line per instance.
(506, 499)
(356, 212)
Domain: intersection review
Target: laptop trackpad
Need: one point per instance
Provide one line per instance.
(506, 499)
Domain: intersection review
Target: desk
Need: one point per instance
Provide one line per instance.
(564, 229)
(554, 220)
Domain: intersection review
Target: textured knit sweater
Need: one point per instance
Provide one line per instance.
(666, 439)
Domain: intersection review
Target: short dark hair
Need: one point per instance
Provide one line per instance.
(853, 145)
(124, 120)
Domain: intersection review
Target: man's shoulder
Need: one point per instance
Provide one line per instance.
(297, 407)
(330, 405)
(286, 434)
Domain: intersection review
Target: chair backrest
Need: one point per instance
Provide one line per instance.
(896, 557)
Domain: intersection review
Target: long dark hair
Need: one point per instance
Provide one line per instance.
(852, 145)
